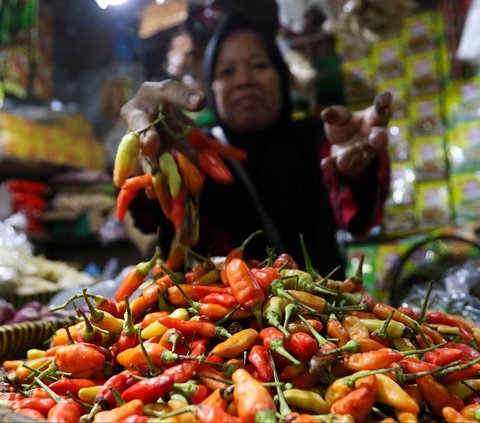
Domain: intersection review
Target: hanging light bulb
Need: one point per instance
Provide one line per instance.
(103, 4)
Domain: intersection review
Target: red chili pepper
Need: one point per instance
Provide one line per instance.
(414, 365)
(445, 319)
(124, 198)
(437, 395)
(275, 340)
(185, 370)
(305, 380)
(65, 386)
(265, 276)
(211, 163)
(64, 412)
(199, 139)
(443, 355)
(43, 405)
(149, 390)
(303, 346)
(195, 292)
(468, 352)
(285, 261)
(177, 209)
(463, 374)
(119, 383)
(125, 341)
(225, 300)
(259, 358)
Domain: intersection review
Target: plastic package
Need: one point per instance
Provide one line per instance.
(457, 292)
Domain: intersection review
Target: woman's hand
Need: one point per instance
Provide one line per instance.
(143, 109)
(356, 137)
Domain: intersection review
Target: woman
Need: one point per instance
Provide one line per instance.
(294, 181)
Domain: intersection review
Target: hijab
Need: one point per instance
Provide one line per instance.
(231, 24)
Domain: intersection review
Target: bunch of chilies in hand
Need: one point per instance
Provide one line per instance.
(241, 340)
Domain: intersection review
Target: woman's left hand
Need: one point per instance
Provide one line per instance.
(356, 137)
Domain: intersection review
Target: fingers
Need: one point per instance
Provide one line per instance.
(378, 137)
(382, 108)
(336, 115)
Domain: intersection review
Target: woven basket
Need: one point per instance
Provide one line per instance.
(17, 339)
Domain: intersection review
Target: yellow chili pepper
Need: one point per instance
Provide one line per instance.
(89, 394)
(35, 353)
(394, 329)
(177, 404)
(168, 166)
(157, 329)
(236, 344)
(306, 400)
(126, 158)
(159, 182)
(391, 393)
(464, 388)
(355, 328)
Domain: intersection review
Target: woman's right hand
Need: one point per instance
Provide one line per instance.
(143, 108)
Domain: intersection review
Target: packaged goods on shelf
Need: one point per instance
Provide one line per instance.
(68, 142)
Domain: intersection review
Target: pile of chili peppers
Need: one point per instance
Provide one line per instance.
(249, 341)
(186, 156)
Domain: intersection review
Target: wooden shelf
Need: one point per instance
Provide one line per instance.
(15, 167)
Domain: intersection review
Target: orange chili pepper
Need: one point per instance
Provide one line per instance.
(236, 344)
(245, 288)
(132, 357)
(359, 402)
(453, 416)
(77, 358)
(64, 412)
(373, 360)
(206, 413)
(135, 277)
(119, 414)
(336, 330)
(192, 176)
(136, 183)
(250, 396)
(160, 185)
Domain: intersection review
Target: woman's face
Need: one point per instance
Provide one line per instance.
(246, 86)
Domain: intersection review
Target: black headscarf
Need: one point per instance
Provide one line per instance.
(229, 25)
